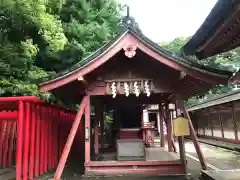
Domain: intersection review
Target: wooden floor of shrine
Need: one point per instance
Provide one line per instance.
(152, 154)
(158, 161)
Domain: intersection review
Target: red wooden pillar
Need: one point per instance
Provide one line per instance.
(26, 142)
(10, 152)
(38, 138)
(169, 129)
(70, 139)
(32, 141)
(87, 131)
(19, 141)
(42, 141)
(5, 143)
(46, 137)
(2, 130)
(96, 141)
(102, 128)
(160, 111)
(50, 135)
(96, 130)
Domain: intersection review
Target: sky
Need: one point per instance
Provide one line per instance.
(164, 20)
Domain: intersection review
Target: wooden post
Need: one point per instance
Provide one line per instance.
(26, 143)
(161, 125)
(46, 137)
(2, 134)
(37, 151)
(169, 129)
(102, 128)
(221, 123)
(96, 133)
(70, 139)
(210, 122)
(42, 141)
(181, 142)
(194, 136)
(87, 131)
(5, 143)
(10, 152)
(19, 141)
(32, 142)
(234, 121)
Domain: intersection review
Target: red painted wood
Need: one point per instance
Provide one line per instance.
(169, 129)
(193, 136)
(70, 139)
(42, 141)
(32, 141)
(50, 138)
(131, 163)
(116, 47)
(5, 143)
(19, 140)
(87, 126)
(46, 137)
(134, 167)
(26, 142)
(2, 129)
(21, 98)
(10, 152)
(96, 134)
(38, 136)
(161, 125)
(169, 170)
(11, 115)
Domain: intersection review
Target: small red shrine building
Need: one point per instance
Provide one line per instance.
(125, 74)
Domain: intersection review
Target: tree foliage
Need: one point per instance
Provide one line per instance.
(38, 37)
(228, 61)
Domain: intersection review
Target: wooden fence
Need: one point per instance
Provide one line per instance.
(32, 135)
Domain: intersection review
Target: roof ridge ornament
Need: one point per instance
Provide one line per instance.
(129, 21)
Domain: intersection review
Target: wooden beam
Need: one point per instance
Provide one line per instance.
(70, 139)
(193, 135)
(234, 120)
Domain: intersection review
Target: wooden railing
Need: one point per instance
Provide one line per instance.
(35, 131)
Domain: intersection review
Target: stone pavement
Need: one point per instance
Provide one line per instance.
(221, 175)
(218, 143)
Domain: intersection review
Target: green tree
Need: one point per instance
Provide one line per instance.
(39, 37)
(25, 29)
(87, 25)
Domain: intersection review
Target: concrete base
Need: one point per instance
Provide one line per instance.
(221, 175)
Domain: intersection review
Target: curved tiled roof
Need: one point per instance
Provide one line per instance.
(143, 39)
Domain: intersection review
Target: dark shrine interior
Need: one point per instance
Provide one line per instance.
(130, 117)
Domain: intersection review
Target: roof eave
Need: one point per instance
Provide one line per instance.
(217, 15)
